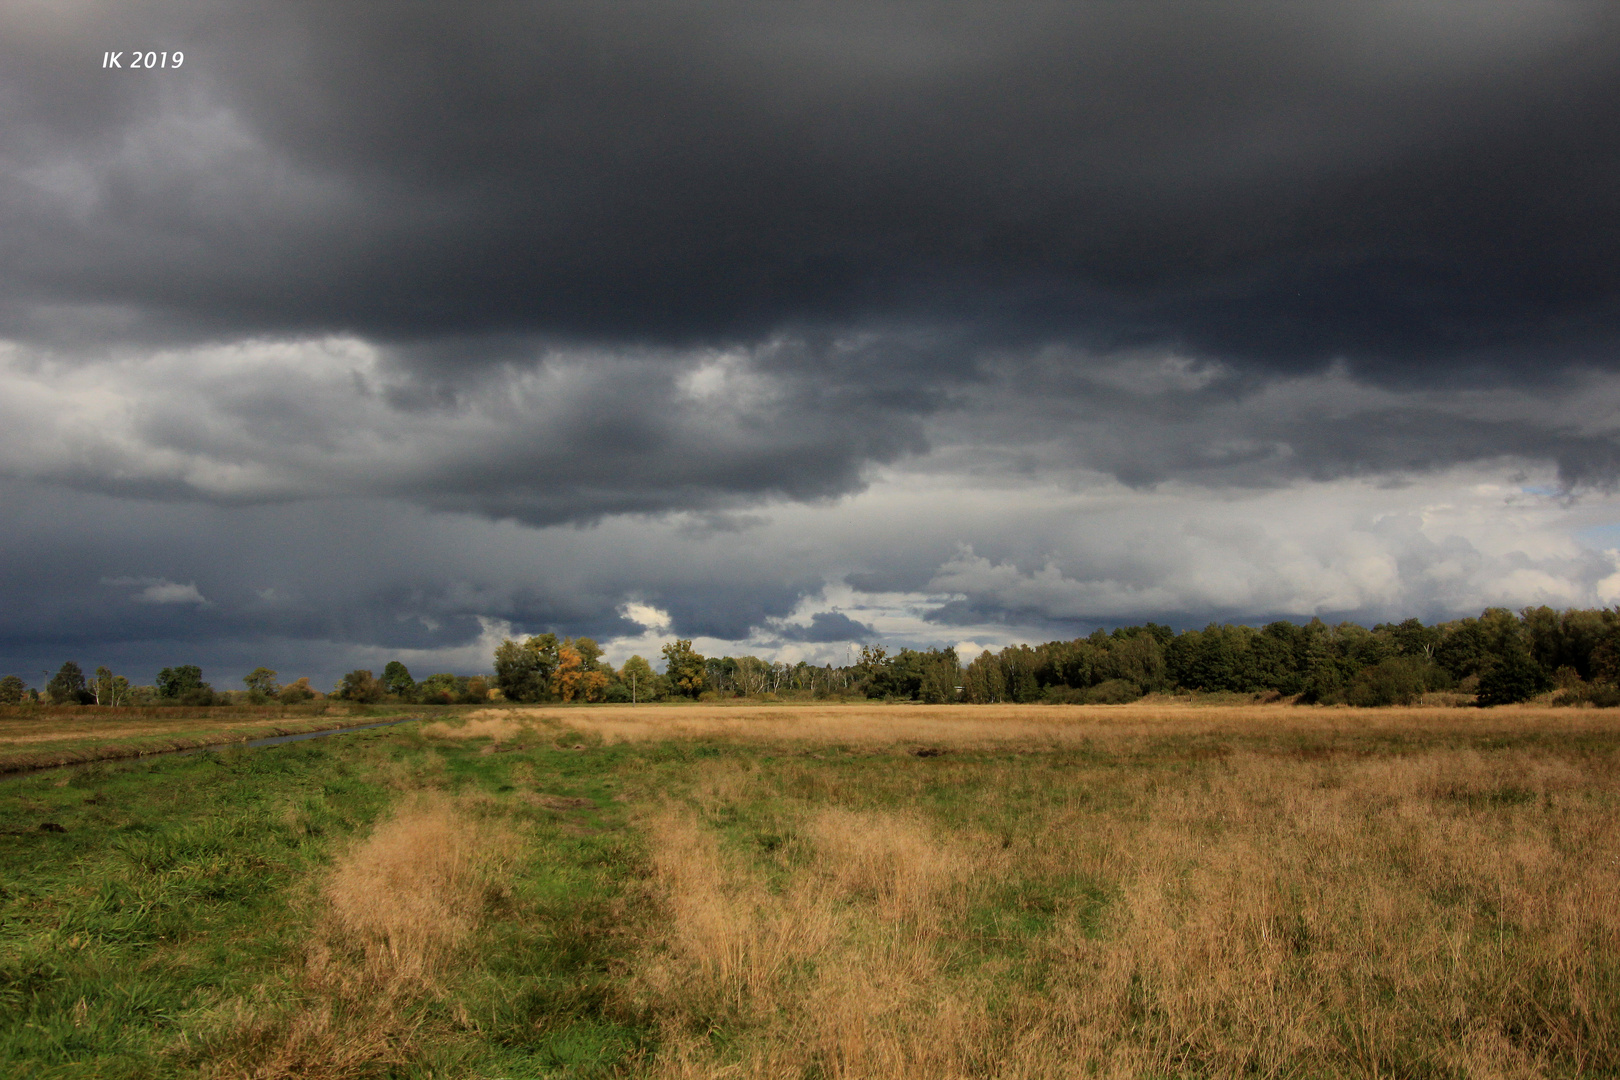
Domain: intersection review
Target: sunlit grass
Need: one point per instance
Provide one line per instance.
(875, 891)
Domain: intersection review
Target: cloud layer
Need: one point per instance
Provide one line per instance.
(383, 330)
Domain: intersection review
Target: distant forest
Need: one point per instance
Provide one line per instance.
(1499, 658)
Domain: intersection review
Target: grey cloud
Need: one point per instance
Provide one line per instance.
(1271, 185)
(1146, 419)
(372, 326)
(567, 436)
(319, 587)
(826, 626)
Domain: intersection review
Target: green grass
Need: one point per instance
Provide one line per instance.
(33, 738)
(183, 883)
(182, 891)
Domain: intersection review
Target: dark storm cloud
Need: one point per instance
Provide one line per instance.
(313, 344)
(1406, 186)
(829, 626)
(1147, 418)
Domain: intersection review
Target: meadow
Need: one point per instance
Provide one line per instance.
(830, 891)
(33, 737)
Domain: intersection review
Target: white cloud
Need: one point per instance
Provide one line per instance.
(646, 615)
(160, 591)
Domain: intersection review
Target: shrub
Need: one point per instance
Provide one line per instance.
(359, 686)
(1399, 680)
(1114, 692)
(1604, 697)
(1512, 678)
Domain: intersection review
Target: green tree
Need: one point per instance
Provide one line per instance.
(1395, 680)
(11, 690)
(440, 689)
(261, 683)
(590, 653)
(1514, 677)
(181, 682)
(296, 692)
(983, 682)
(683, 667)
(110, 689)
(68, 685)
(396, 679)
(360, 686)
(523, 672)
(638, 675)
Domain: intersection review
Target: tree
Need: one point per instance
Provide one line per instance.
(1396, 680)
(359, 686)
(440, 689)
(683, 667)
(109, 689)
(11, 690)
(67, 685)
(297, 691)
(638, 674)
(523, 672)
(590, 653)
(1514, 677)
(396, 679)
(182, 682)
(565, 681)
(983, 682)
(261, 683)
(579, 671)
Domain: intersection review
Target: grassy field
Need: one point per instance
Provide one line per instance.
(838, 891)
(32, 737)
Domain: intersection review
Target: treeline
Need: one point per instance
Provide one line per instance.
(1495, 659)
(546, 668)
(1498, 658)
(184, 685)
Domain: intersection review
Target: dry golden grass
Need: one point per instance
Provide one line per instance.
(839, 972)
(1446, 911)
(1045, 726)
(484, 724)
(395, 913)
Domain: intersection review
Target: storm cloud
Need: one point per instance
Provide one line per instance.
(633, 284)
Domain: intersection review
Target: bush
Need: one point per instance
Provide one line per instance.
(1604, 697)
(1399, 680)
(359, 686)
(1511, 679)
(1114, 692)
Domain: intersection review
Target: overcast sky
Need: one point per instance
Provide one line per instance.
(383, 331)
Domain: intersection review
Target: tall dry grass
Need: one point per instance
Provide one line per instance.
(1045, 727)
(394, 915)
(839, 972)
(497, 726)
(1453, 912)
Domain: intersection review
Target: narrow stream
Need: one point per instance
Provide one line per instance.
(274, 739)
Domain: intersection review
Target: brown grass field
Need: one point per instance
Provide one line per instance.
(1150, 890)
(871, 891)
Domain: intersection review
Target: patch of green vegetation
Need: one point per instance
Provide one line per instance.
(144, 905)
(180, 885)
